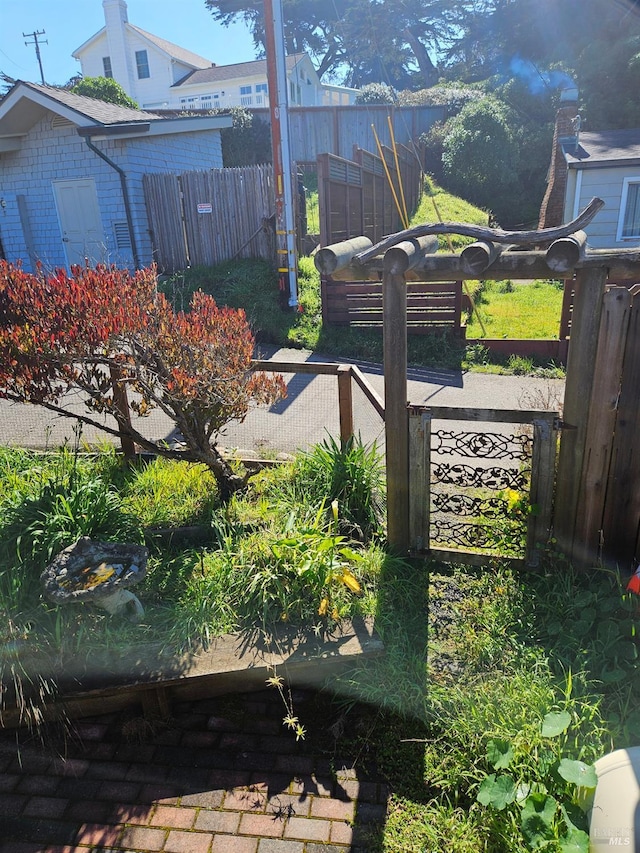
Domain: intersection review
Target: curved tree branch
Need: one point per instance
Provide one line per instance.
(481, 232)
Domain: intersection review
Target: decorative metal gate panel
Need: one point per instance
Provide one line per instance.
(478, 492)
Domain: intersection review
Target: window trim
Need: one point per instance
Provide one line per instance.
(142, 66)
(626, 183)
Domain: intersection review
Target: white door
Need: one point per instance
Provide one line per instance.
(80, 222)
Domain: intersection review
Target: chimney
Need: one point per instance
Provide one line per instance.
(115, 18)
(565, 135)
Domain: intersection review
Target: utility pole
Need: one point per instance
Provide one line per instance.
(283, 178)
(34, 35)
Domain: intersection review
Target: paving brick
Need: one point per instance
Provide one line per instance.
(324, 848)
(221, 724)
(341, 832)
(45, 807)
(306, 828)
(199, 740)
(37, 829)
(302, 764)
(107, 770)
(203, 799)
(151, 773)
(233, 844)
(89, 811)
(245, 800)
(143, 838)
(261, 825)
(332, 809)
(273, 845)
(173, 817)
(119, 791)
(187, 842)
(256, 761)
(188, 777)
(9, 781)
(73, 767)
(12, 804)
(89, 730)
(98, 834)
(210, 821)
(289, 804)
(159, 794)
(37, 784)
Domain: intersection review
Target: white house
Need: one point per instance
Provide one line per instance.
(160, 75)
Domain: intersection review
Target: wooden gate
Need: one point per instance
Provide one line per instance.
(480, 482)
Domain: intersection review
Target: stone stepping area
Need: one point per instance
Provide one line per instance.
(222, 775)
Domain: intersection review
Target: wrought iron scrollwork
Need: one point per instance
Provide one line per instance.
(462, 535)
(466, 505)
(495, 478)
(481, 445)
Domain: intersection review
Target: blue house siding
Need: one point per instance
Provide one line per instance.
(51, 153)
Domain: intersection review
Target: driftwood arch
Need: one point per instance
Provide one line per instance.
(593, 485)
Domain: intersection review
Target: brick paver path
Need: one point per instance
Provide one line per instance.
(223, 776)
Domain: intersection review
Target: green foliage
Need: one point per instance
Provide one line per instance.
(375, 93)
(351, 475)
(247, 142)
(481, 158)
(170, 494)
(104, 89)
(527, 309)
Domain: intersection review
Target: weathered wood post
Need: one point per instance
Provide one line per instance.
(601, 425)
(585, 325)
(345, 402)
(394, 311)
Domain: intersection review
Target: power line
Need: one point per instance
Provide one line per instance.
(34, 35)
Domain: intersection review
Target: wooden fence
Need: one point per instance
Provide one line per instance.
(336, 129)
(210, 217)
(431, 307)
(357, 198)
(598, 499)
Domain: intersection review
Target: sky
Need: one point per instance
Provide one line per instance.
(69, 23)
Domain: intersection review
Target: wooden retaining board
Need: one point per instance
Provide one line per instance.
(149, 676)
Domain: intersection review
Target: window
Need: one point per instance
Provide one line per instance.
(106, 66)
(262, 92)
(629, 222)
(245, 96)
(142, 64)
(292, 91)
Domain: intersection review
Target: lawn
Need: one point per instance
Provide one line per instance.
(497, 690)
(516, 309)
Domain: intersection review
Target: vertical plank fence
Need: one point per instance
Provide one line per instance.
(211, 216)
(597, 515)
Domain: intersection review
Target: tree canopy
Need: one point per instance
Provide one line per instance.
(358, 41)
(104, 89)
(102, 330)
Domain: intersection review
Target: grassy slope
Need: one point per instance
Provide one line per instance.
(252, 285)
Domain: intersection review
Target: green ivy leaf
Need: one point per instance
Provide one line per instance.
(499, 753)
(576, 842)
(578, 773)
(538, 813)
(497, 791)
(555, 723)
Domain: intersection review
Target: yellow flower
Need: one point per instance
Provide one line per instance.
(324, 607)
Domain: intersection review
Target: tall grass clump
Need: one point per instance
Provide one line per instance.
(351, 474)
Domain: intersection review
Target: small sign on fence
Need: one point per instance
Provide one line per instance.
(207, 207)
